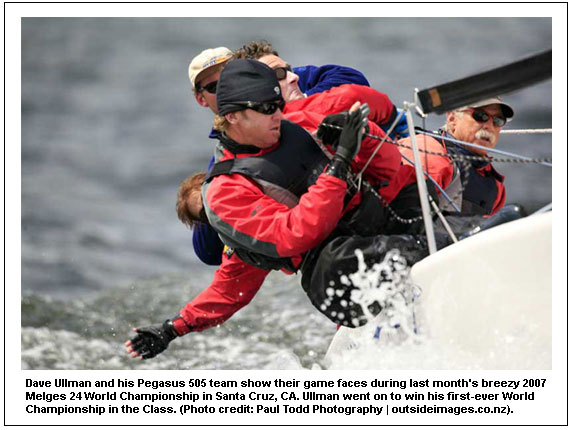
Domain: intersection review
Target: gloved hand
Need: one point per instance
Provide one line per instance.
(352, 134)
(401, 129)
(330, 135)
(152, 340)
(349, 142)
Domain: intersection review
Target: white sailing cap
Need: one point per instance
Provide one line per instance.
(205, 63)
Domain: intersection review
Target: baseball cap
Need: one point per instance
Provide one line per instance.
(507, 110)
(246, 80)
(203, 63)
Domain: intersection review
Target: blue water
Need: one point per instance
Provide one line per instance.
(110, 129)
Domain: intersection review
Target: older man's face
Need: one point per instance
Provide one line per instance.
(464, 127)
(290, 85)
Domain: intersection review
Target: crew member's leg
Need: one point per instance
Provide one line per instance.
(325, 272)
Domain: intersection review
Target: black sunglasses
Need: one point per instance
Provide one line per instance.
(281, 72)
(481, 116)
(211, 88)
(266, 108)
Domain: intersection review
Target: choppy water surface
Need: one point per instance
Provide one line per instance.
(110, 129)
(279, 329)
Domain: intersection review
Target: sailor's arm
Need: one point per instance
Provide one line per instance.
(234, 285)
(382, 109)
(385, 162)
(433, 156)
(239, 209)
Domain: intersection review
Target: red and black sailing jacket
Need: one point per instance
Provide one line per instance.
(279, 205)
(484, 192)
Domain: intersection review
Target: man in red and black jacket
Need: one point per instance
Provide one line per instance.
(322, 90)
(280, 202)
(474, 186)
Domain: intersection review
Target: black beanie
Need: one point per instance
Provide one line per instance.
(246, 80)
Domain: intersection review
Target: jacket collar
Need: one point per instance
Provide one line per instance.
(236, 148)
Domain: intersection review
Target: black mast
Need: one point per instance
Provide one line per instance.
(502, 80)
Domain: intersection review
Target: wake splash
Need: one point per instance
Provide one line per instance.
(387, 284)
(391, 335)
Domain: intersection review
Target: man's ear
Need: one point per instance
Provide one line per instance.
(201, 100)
(451, 121)
(232, 117)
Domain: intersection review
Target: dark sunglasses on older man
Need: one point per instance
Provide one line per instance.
(211, 88)
(266, 108)
(481, 116)
(281, 72)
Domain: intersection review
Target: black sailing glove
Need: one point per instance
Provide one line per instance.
(330, 135)
(349, 142)
(152, 340)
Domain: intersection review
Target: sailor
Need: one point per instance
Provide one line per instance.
(304, 81)
(330, 99)
(204, 71)
(205, 68)
(322, 90)
(279, 203)
(472, 183)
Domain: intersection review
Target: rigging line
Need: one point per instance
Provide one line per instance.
(527, 131)
(513, 159)
(443, 220)
(438, 187)
(389, 130)
(496, 151)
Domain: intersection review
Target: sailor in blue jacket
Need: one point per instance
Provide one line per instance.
(204, 71)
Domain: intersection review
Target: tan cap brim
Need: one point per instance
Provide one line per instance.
(507, 110)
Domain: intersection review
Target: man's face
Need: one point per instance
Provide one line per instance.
(465, 128)
(249, 127)
(289, 86)
(205, 98)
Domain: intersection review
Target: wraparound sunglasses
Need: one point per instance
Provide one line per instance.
(481, 116)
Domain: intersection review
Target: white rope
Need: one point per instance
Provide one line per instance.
(528, 131)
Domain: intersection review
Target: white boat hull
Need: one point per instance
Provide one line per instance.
(485, 303)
